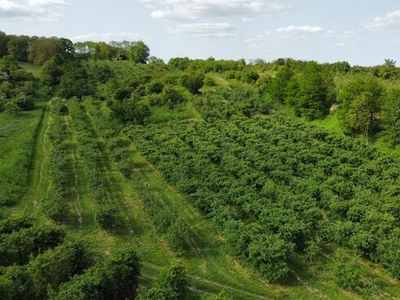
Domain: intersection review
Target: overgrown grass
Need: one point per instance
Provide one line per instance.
(31, 68)
(17, 138)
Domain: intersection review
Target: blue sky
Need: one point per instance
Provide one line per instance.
(362, 32)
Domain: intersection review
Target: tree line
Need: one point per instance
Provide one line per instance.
(38, 50)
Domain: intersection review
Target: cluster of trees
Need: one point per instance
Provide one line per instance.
(35, 261)
(137, 52)
(365, 99)
(39, 50)
(34, 49)
(115, 278)
(274, 186)
(43, 263)
(17, 87)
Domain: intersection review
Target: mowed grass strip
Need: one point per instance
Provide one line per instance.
(17, 144)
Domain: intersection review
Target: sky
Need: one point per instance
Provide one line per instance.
(361, 32)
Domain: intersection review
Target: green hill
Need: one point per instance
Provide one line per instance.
(228, 181)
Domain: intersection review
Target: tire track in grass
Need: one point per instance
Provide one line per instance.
(38, 161)
(113, 187)
(309, 288)
(195, 278)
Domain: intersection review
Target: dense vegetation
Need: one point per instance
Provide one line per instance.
(210, 174)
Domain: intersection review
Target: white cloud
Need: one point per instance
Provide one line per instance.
(177, 10)
(10, 10)
(295, 30)
(390, 20)
(30, 10)
(218, 30)
(107, 37)
(282, 37)
(45, 3)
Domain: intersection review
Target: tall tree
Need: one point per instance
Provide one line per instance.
(391, 116)
(314, 97)
(18, 47)
(3, 44)
(139, 52)
(360, 105)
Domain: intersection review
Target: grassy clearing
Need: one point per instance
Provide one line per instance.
(330, 123)
(17, 138)
(31, 68)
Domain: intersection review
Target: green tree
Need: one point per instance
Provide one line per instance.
(171, 284)
(362, 114)
(278, 84)
(314, 96)
(75, 81)
(42, 49)
(18, 47)
(391, 116)
(130, 111)
(106, 216)
(52, 70)
(139, 52)
(11, 107)
(267, 254)
(360, 104)
(4, 38)
(114, 279)
(56, 266)
(16, 283)
(193, 82)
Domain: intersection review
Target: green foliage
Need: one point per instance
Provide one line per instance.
(74, 81)
(360, 104)
(176, 235)
(52, 70)
(43, 49)
(193, 82)
(314, 97)
(209, 81)
(139, 52)
(279, 84)
(106, 216)
(18, 47)
(389, 254)
(155, 87)
(19, 246)
(348, 276)
(172, 97)
(171, 284)
(12, 108)
(56, 266)
(114, 279)
(130, 111)
(391, 116)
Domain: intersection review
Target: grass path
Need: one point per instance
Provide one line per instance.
(30, 204)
